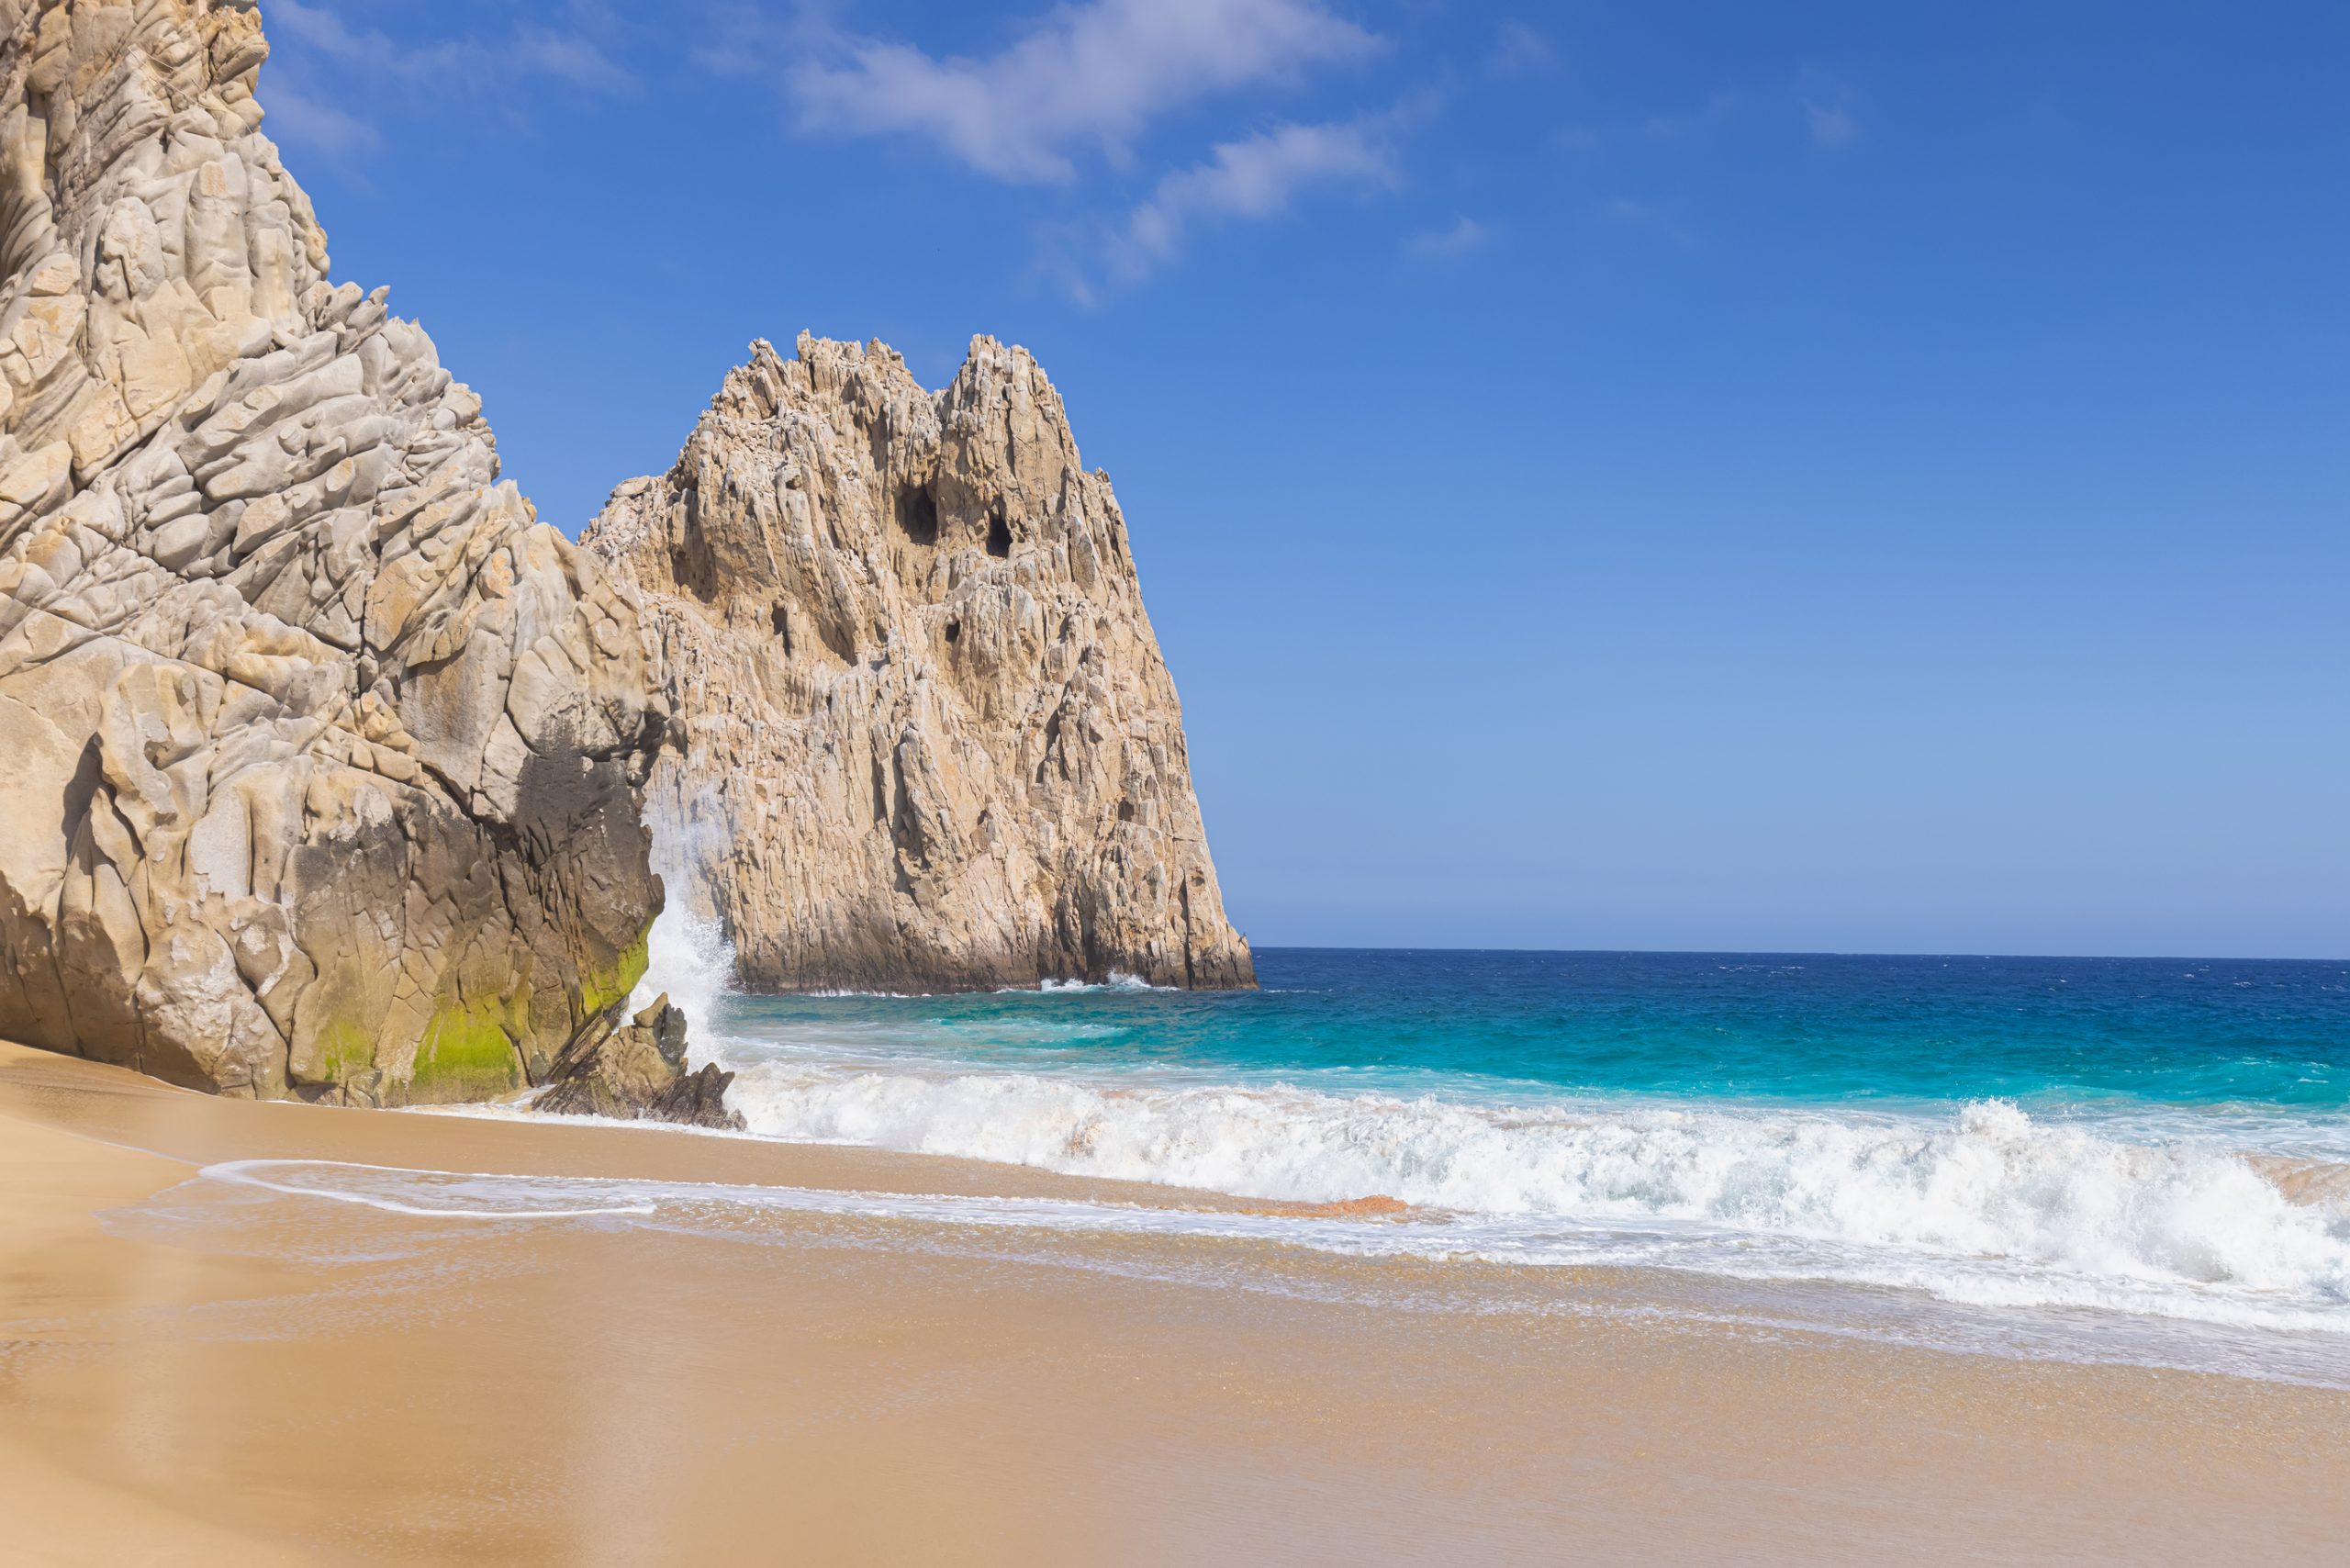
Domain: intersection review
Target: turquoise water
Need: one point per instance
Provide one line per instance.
(2063, 1035)
(2087, 1146)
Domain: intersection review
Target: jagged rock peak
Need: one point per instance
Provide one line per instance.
(925, 737)
(322, 755)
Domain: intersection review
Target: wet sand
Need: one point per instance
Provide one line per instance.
(295, 1381)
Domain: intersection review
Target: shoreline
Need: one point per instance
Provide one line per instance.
(237, 1377)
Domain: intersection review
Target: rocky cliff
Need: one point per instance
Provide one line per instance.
(926, 736)
(321, 758)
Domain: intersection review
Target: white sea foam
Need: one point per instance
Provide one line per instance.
(1989, 1207)
(1118, 981)
(2151, 1213)
(440, 1194)
(2242, 1342)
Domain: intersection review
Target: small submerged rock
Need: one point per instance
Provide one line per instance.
(633, 1068)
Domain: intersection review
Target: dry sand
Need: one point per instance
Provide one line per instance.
(257, 1381)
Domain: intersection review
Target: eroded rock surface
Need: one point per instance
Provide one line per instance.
(321, 755)
(927, 738)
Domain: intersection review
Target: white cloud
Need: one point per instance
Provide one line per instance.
(1828, 110)
(1832, 125)
(1660, 218)
(1087, 76)
(1253, 178)
(742, 37)
(328, 68)
(298, 116)
(373, 52)
(1519, 50)
(570, 57)
(1631, 213)
(1691, 124)
(325, 31)
(1466, 234)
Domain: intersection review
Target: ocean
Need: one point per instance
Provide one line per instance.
(2137, 1160)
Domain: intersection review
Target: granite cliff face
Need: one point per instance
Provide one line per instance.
(325, 764)
(321, 757)
(926, 739)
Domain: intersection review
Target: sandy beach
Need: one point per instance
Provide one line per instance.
(196, 1374)
(1662, 883)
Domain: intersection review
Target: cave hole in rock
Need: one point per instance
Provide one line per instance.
(1125, 811)
(953, 630)
(999, 535)
(780, 618)
(918, 515)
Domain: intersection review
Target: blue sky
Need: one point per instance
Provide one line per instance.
(1691, 476)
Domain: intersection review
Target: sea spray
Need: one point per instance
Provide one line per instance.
(690, 961)
(688, 958)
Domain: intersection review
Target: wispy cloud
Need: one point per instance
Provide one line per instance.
(1464, 235)
(329, 33)
(1828, 111)
(1828, 118)
(1254, 178)
(1519, 50)
(1688, 124)
(471, 60)
(1087, 77)
(297, 117)
(1660, 218)
(1831, 126)
(332, 67)
(748, 39)
(570, 58)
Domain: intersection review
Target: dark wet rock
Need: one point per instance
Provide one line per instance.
(633, 1068)
(698, 1099)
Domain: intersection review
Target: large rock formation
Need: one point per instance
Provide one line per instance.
(321, 756)
(927, 738)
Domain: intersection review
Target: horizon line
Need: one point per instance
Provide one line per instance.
(1790, 953)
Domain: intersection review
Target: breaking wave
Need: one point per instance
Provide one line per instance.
(1117, 980)
(2233, 1213)
(1989, 1207)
